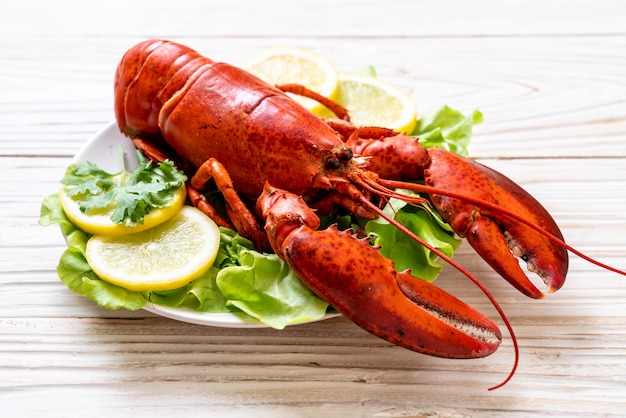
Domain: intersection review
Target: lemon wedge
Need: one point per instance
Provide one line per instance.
(164, 257)
(283, 65)
(372, 102)
(98, 222)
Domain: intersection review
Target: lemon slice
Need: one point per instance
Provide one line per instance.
(164, 257)
(98, 222)
(295, 65)
(372, 102)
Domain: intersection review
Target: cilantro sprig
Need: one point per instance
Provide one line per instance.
(132, 193)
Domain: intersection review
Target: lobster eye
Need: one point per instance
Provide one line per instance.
(332, 163)
(337, 157)
(345, 154)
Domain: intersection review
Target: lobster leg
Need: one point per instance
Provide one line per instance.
(363, 285)
(197, 199)
(339, 111)
(244, 221)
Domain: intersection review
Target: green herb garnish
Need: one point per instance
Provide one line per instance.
(134, 193)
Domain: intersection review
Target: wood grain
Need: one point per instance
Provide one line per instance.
(549, 78)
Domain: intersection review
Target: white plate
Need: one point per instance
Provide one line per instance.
(104, 151)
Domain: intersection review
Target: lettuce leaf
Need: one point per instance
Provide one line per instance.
(242, 280)
(447, 128)
(73, 269)
(405, 252)
(265, 287)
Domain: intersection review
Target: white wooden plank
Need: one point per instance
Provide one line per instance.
(141, 372)
(321, 18)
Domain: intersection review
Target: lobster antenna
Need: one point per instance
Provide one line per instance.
(492, 206)
(465, 272)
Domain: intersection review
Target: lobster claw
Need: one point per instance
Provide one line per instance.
(363, 285)
(496, 237)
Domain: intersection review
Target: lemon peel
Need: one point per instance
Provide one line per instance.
(373, 102)
(283, 65)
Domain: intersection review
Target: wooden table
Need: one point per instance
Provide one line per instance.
(550, 78)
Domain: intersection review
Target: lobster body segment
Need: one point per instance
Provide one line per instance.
(225, 123)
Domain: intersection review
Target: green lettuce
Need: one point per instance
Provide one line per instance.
(242, 280)
(447, 128)
(404, 251)
(73, 269)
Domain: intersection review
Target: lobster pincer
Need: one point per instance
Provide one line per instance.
(496, 236)
(363, 285)
(497, 217)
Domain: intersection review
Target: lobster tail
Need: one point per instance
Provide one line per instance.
(147, 76)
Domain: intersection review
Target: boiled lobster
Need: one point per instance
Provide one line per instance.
(259, 145)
